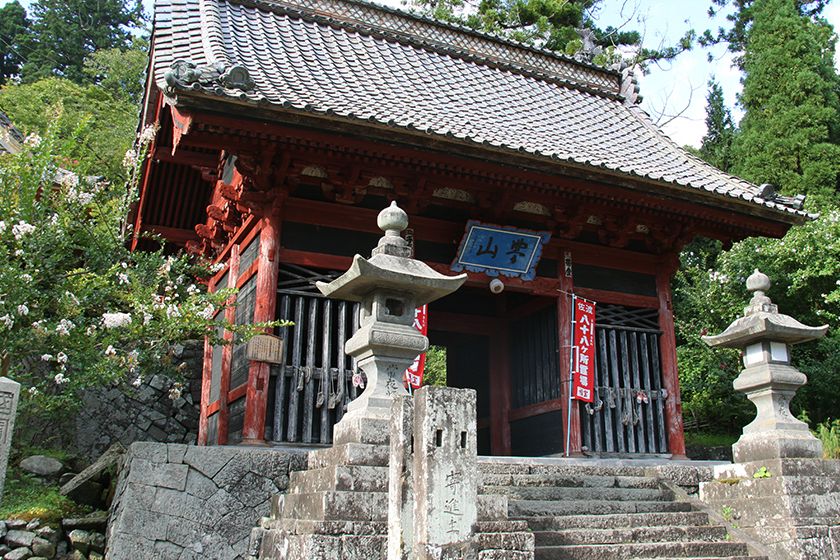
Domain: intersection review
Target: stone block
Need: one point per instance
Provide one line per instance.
(150, 451)
(17, 538)
(41, 465)
(18, 554)
(43, 547)
(165, 550)
(176, 452)
(209, 460)
(162, 475)
(9, 395)
(199, 485)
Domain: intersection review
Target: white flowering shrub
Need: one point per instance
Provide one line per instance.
(77, 307)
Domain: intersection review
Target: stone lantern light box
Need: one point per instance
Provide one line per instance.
(769, 381)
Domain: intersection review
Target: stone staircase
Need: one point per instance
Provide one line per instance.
(597, 511)
(338, 508)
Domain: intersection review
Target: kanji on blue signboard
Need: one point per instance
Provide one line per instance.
(498, 250)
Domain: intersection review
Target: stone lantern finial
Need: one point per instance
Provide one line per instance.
(759, 283)
(392, 220)
(769, 381)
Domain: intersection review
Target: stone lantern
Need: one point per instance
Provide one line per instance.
(390, 286)
(764, 336)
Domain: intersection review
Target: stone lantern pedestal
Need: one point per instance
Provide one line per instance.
(764, 335)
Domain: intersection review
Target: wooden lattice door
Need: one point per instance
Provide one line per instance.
(312, 387)
(627, 416)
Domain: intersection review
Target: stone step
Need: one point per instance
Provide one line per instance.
(358, 478)
(530, 508)
(336, 506)
(495, 479)
(774, 486)
(708, 558)
(504, 526)
(523, 541)
(561, 468)
(309, 527)
(641, 550)
(492, 507)
(618, 521)
(582, 494)
(348, 454)
(631, 535)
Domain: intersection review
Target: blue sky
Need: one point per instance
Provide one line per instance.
(674, 88)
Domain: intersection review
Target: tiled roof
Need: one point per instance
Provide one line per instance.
(355, 60)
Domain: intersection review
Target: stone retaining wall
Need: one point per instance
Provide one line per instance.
(145, 413)
(176, 501)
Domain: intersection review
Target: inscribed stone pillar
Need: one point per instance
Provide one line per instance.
(445, 473)
(9, 394)
(400, 484)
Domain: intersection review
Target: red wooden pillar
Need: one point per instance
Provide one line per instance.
(668, 361)
(206, 374)
(256, 395)
(227, 351)
(564, 331)
(499, 390)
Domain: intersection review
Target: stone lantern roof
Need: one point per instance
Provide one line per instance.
(762, 321)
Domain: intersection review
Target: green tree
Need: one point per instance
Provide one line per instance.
(65, 32)
(720, 130)
(13, 27)
(120, 71)
(98, 127)
(791, 126)
(551, 24)
(788, 138)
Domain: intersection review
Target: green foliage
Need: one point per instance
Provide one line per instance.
(25, 497)
(96, 128)
(829, 434)
(762, 472)
(550, 24)
(709, 439)
(720, 130)
(13, 27)
(65, 32)
(435, 371)
(77, 308)
(120, 71)
(789, 138)
(790, 131)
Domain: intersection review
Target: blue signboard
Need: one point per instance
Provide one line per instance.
(496, 250)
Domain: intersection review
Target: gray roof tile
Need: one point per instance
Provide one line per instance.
(356, 60)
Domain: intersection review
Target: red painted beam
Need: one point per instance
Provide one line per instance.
(256, 398)
(564, 333)
(536, 409)
(668, 361)
(227, 352)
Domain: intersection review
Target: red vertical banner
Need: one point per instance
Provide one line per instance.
(583, 373)
(414, 373)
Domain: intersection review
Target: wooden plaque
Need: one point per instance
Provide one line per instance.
(265, 348)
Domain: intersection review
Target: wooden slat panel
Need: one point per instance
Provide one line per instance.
(604, 378)
(657, 385)
(341, 386)
(642, 427)
(326, 375)
(280, 385)
(309, 377)
(626, 395)
(618, 428)
(293, 433)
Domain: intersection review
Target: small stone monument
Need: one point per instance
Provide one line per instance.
(390, 285)
(769, 381)
(433, 478)
(9, 394)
